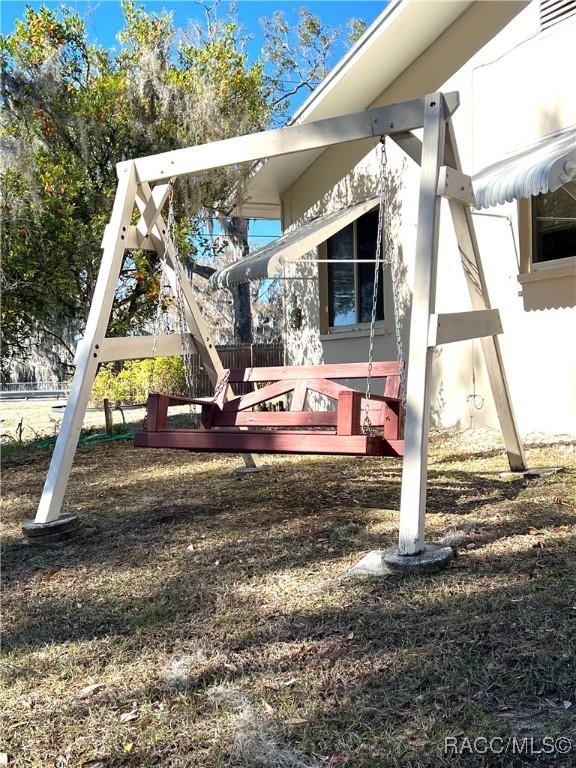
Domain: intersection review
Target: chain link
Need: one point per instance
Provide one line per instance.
(163, 292)
(159, 321)
(183, 329)
(367, 424)
(384, 257)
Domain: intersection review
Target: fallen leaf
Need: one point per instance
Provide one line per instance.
(89, 689)
(534, 531)
(350, 636)
(296, 721)
(129, 747)
(563, 528)
(126, 717)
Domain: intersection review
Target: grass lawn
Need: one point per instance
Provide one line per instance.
(206, 623)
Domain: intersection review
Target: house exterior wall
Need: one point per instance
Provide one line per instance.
(518, 87)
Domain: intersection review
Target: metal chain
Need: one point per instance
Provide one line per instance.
(367, 424)
(158, 320)
(384, 257)
(183, 330)
(391, 261)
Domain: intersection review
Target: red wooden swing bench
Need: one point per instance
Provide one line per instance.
(232, 425)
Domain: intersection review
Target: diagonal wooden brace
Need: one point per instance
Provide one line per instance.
(175, 272)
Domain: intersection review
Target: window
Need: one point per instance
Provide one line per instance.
(350, 286)
(554, 225)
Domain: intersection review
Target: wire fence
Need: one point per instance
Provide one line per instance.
(34, 386)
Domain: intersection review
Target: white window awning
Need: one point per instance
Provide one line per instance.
(544, 166)
(293, 245)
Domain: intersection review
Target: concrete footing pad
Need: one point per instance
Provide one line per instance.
(64, 528)
(241, 471)
(530, 474)
(385, 562)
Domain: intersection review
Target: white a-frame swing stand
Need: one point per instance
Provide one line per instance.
(144, 183)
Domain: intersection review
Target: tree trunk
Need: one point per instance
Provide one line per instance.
(236, 231)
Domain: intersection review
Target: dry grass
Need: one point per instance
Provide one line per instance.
(209, 612)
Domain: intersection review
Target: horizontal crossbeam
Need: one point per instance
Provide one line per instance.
(460, 326)
(455, 185)
(380, 121)
(141, 347)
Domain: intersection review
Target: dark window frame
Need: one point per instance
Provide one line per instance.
(362, 312)
(553, 239)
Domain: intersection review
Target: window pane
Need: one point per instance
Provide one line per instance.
(554, 224)
(367, 231)
(341, 289)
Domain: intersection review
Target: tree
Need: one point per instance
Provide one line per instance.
(72, 110)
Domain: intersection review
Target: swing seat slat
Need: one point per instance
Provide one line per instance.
(291, 441)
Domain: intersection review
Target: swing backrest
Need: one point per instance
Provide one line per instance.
(339, 404)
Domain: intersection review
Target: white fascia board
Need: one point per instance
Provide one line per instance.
(393, 41)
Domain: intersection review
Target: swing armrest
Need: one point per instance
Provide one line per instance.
(175, 399)
(157, 408)
(195, 400)
(385, 398)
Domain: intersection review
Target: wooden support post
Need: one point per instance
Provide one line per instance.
(349, 413)
(414, 470)
(157, 412)
(88, 354)
(109, 421)
(478, 290)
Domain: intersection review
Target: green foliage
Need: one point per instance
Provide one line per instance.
(130, 384)
(356, 28)
(71, 110)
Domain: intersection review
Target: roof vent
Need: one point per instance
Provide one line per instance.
(554, 11)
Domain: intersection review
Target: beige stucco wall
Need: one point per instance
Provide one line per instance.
(518, 87)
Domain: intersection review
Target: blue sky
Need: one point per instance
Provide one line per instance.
(103, 20)
(104, 17)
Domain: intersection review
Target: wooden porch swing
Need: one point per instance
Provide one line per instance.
(344, 421)
(336, 431)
